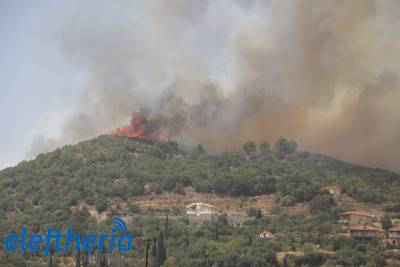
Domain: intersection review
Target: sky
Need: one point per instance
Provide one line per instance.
(35, 79)
(324, 73)
(40, 83)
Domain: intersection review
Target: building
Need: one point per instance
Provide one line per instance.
(333, 190)
(199, 212)
(356, 217)
(363, 231)
(394, 235)
(266, 234)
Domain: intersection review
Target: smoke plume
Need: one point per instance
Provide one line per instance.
(324, 73)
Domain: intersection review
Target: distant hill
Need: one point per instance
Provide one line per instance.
(41, 191)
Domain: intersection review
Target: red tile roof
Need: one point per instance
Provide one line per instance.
(363, 227)
(265, 234)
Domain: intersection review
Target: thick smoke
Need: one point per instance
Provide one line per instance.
(325, 73)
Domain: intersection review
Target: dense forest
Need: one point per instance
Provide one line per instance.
(40, 193)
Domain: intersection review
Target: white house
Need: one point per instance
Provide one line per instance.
(198, 212)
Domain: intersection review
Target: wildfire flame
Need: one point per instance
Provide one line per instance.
(141, 128)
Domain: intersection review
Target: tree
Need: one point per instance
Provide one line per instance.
(249, 147)
(308, 248)
(321, 203)
(170, 262)
(285, 262)
(78, 258)
(217, 231)
(166, 227)
(264, 147)
(259, 214)
(223, 218)
(132, 207)
(252, 212)
(161, 255)
(311, 259)
(198, 150)
(386, 222)
(154, 252)
(101, 205)
(284, 147)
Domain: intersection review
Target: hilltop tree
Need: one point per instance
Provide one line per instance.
(249, 147)
(264, 147)
(284, 147)
(199, 149)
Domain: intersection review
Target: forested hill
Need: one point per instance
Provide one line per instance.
(106, 167)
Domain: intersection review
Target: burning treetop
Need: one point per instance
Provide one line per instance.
(143, 127)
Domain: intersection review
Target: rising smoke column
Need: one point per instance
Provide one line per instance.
(325, 73)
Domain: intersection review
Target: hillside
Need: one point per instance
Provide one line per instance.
(108, 173)
(106, 167)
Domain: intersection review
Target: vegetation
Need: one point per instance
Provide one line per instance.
(48, 191)
(386, 222)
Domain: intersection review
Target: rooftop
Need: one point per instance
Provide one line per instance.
(200, 204)
(363, 227)
(360, 213)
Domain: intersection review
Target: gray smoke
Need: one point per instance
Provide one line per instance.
(325, 73)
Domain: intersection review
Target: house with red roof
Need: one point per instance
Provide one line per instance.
(266, 234)
(394, 235)
(363, 231)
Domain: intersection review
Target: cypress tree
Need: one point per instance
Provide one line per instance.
(217, 231)
(161, 249)
(154, 248)
(166, 227)
(78, 259)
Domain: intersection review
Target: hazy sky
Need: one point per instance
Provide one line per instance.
(35, 80)
(324, 73)
(38, 82)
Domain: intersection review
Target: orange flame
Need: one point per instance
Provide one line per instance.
(141, 128)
